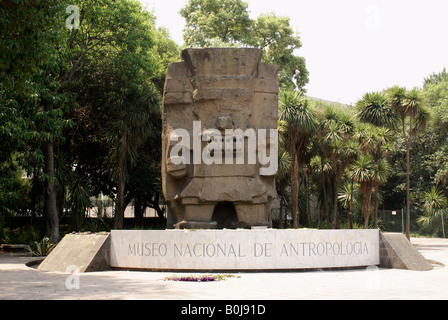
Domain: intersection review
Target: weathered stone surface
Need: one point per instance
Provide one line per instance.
(398, 253)
(87, 252)
(224, 89)
(244, 249)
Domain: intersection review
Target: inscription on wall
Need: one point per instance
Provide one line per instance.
(244, 249)
(217, 250)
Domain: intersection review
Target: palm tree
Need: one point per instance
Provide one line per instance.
(79, 194)
(129, 130)
(380, 110)
(321, 171)
(299, 115)
(368, 174)
(284, 167)
(374, 108)
(347, 198)
(336, 128)
(408, 105)
(435, 207)
(375, 141)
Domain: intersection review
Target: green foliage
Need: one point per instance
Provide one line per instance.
(374, 108)
(435, 79)
(42, 248)
(13, 188)
(435, 209)
(297, 111)
(279, 42)
(226, 20)
(78, 92)
(78, 200)
(93, 95)
(227, 23)
(21, 235)
(298, 116)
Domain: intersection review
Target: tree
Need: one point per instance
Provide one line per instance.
(33, 59)
(298, 113)
(321, 185)
(348, 199)
(279, 42)
(117, 86)
(128, 130)
(165, 51)
(433, 144)
(435, 208)
(335, 132)
(409, 106)
(49, 75)
(284, 168)
(374, 108)
(435, 78)
(368, 173)
(227, 22)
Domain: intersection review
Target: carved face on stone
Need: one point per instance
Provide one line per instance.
(220, 114)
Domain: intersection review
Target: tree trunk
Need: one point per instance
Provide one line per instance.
(335, 203)
(281, 224)
(408, 191)
(375, 217)
(295, 192)
(121, 206)
(307, 182)
(325, 193)
(350, 210)
(139, 210)
(407, 141)
(366, 201)
(50, 192)
(319, 216)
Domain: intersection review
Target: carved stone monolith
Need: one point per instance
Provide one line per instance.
(219, 139)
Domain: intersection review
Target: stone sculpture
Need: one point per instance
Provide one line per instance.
(210, 178)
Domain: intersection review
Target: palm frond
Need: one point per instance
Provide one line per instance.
(374, 108)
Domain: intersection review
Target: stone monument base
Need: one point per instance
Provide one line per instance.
(232, 250)
(398, 253)
(86, 252)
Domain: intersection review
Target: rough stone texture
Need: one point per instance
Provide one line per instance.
(398, 253)
(224, 89)
(87, 252)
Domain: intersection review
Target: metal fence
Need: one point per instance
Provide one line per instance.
(392, 220)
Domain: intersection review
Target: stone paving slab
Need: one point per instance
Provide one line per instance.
(19, 282)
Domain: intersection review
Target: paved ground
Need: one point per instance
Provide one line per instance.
(18, 282)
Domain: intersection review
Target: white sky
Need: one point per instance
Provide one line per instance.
(352, 46)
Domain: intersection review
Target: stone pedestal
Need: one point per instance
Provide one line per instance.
(86, 252)
(398, 253)
(231, 250)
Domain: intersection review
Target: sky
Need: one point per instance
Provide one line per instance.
(351, 46)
